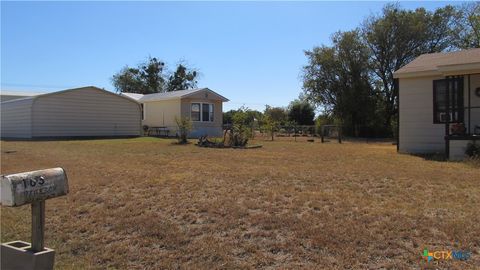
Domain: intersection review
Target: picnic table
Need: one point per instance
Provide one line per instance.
(158, 131)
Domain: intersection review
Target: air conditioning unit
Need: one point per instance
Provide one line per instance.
(444, 117)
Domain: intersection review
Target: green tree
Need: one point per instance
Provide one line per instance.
(301, 112)
(337, 79)
(251, 115)
(276, 114)
(228, 117)
(269, 125)
(149, 77)
(466, 26)
(398, 36)
(182, 79)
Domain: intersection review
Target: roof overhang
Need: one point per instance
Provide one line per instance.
(207, 90)
(444, 70)
(216, 96)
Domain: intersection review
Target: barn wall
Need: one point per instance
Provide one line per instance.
(85, 112)
(10, 97)
(16, 118)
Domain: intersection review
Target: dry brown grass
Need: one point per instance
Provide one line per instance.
(148, 204)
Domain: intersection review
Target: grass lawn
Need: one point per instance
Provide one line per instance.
(147, 203)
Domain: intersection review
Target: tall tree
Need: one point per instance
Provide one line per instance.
(337, 79)
(149, 77)
(301, 112)
(182, 79)
(466, 26)
(276, 114)
(398, 36)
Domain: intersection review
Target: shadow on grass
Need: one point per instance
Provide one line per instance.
(432, 157)
(181, 143)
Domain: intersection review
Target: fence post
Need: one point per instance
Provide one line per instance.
(339, 134)
(322, 133)
(38, 225)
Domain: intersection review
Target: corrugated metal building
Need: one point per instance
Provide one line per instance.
(80, 112)
(11, 95)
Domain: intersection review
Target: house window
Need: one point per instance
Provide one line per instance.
(210, 116)
(448, 101)
(203, 112)
(207, 112)
(195, 112)
(143, 111)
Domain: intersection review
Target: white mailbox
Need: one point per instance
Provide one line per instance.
(31, 188)
(28, 187)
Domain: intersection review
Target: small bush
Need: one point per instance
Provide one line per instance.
(473, 150)
(145, 129)
(184, 125)
(241, 129)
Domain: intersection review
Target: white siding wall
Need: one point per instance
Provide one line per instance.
(418, 134)
(85, 112)
(162, 114)
(16, 119)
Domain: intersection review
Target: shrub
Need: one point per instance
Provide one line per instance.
(270, 126)
(241, 129)
(473, 150)
(184, 125)
(145, 129)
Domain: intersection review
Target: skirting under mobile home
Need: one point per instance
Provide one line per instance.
(80, 112)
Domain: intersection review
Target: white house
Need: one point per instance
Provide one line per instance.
(439, 103)
(202, 105)
(80, 112)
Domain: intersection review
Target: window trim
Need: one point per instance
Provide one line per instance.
(201, 112)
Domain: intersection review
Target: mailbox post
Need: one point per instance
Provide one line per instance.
(31, 188)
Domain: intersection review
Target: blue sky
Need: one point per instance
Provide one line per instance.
(251, 52)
